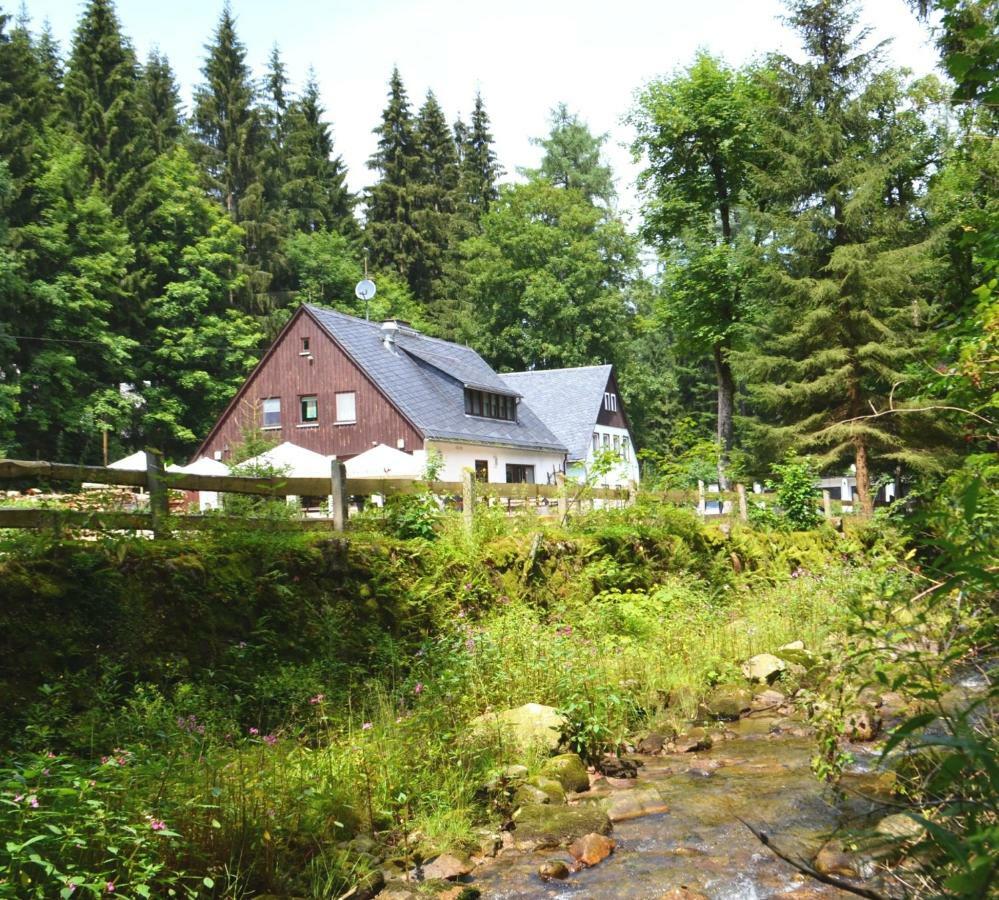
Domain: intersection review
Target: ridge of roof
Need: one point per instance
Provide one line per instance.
(561, 369)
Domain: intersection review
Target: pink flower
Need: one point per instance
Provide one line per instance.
(317, 699)
(18, 798)
(367, 726)
(33, 802)
(270, 740)
(254, 730)
(418, 689)
(109, 887)
(71, 886)
(156, 824)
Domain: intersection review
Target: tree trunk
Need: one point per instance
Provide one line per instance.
(863, 479)
(726, 406)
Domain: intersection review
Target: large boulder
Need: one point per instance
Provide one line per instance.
(726, 703)
(569, 770)
(797, 654)
(526, 727)
(834, 859)
(554, 826)
(633, 804)
(764, 668)
(591, 849)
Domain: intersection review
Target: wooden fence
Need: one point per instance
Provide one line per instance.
(559, 499)
(338, 488)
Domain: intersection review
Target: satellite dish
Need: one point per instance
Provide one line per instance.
(365, 290)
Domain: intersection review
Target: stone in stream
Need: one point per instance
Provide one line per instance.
(445, 867)
(615, 767)
(552, 789)
(591, 849)
(862, 724)
(633, 804)
(569, 770)
(764, 668)
(554, 826)
(654, 743)
(767, 699)
(528, 794)
(901, 827)
(553, 868)
(726, 702)
(527, 727)
(693, 741)
(834, 859)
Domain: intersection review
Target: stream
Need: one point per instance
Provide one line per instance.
(700, 843)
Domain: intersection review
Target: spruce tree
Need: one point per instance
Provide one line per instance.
(160, 98)
(390, 233)
(315, 193)
(103, 98)
(850, 156)
(434, 199)
(479, 169)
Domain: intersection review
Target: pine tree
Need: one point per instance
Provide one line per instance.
(850, 154)
(390, 232)
(479, 169)
(572, 157)
(225, 119)
(160, 98)
(103, 98)
(434, 199)
(315, 193)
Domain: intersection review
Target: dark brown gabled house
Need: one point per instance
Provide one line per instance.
(339, 385)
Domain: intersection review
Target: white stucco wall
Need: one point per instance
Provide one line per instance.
(623, 474)
(458, 457)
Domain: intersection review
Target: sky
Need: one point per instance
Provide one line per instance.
(523, 55)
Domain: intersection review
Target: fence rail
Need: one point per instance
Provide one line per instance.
(560, 497)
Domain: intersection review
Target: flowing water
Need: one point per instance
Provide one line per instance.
(700, 842)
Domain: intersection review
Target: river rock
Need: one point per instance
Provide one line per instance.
(554, 790)
(862, 724)
(796, 654)
(835, 859)
(900, 827)
(767, 699)
(569, 770)
(553, 868)
(530, 794)
(633, 804)
(554, 826)
(764, 668)
(653, 743)
(526, 727)
(726, 703)
(615, 767)
(682, 893)
(591, 849)
(693, 741)
(445, 867)
(368, 885)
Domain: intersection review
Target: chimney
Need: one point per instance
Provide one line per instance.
(390, 329)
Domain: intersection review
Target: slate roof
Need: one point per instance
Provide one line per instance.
(567, 400)
(425, 378)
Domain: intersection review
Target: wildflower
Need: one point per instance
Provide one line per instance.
(253, 730)
(18, 798)
(317, 699)
(50, 755)
(33, 802)
(461, 614)
(71, 886)
(470, 645)
(270, 740)
(367, 726)
(156, 824)
(109, 887)
(241, 645)
(418, 688)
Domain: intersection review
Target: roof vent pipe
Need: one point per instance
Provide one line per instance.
(389, 331)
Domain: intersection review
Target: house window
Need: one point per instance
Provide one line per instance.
(626, 449)
(610, 401)
(617, 444)
(305, 345)
(596, 442)
(271, 409)
(310, 409)
(490, 406)
(518, 474)
(346, 407)
(606, 442)
(482, 470)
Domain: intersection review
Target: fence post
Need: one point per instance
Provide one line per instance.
(159, 494)
(701, 507)
(563, 498)
(468, 499)
(338, 493)
(740, 489)
(632, 493)
(827, 504)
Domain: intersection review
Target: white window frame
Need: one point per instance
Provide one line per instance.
(341, 397)
(265, 426)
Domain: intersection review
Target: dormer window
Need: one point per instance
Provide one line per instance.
(490, 406)
(610, 401)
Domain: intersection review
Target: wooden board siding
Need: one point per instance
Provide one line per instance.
(286, 373)
(617, 418)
